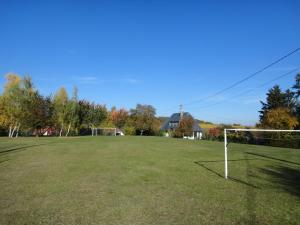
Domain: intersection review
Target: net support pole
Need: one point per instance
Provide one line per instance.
(225, 152)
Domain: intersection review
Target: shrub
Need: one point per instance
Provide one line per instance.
(129, 130)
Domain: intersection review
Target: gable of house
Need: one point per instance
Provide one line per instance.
(173, 122)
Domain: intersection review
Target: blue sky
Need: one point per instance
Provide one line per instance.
(162, 53)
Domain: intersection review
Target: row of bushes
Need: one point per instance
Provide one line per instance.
(286, 140)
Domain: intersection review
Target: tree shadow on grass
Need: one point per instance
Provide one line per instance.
(4, 160)
(17, 149)
(285, 177)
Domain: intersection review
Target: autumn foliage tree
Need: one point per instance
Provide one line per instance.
(142, 117)
(281, 108)
(12, 103)
(119, 117)
(214, 132)
(185, 127)
(280, 118)
(60, 109)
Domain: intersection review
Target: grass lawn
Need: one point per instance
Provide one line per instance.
(145, 180)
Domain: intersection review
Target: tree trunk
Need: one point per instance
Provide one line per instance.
(68, 130)
(61, 129)
(13, 131)
(9, 132)
(18, 128)
(92, 128)
(142, 132)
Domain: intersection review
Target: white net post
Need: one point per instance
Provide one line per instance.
(225, 152)
(107, 131)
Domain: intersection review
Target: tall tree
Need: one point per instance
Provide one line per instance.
(11, 102)
(290, 100)
(97, 113)
(143, 117)
(72, 108)
(275, 98)
(84, 108)
(30, 104)
(60, 109)
(296, 90)
(4, 118)
(118, 117)
(296, 87)
(41, 113)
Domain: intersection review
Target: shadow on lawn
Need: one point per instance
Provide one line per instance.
(286, 177)
(273, 158)
(243, 182)
(201, 163)
(4, 160)
(250, 189)
(207, 168)
(230, 160)
(17, 149)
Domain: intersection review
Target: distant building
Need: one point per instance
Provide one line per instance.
(119, 132)
(172, 123)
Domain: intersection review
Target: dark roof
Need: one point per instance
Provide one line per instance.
(175, 118)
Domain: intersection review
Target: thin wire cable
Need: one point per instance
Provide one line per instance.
(245, 79)
(258, 87)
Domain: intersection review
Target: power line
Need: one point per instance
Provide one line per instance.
(268, 82)
(241, 81)
(246, 78)
(253, 89)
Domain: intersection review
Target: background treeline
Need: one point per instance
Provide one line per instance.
(25, 112)
(280, 111)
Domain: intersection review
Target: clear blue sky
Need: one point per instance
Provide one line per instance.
(158, 52)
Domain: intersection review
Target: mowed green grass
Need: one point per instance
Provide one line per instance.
(145, 180)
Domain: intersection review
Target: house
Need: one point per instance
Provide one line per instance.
(172, 123)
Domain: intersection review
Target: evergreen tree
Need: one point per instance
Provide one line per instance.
(296, 90)
(275, 98)
(296, 87)
(290, 101)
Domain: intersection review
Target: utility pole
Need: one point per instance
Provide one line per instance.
(181, 111)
